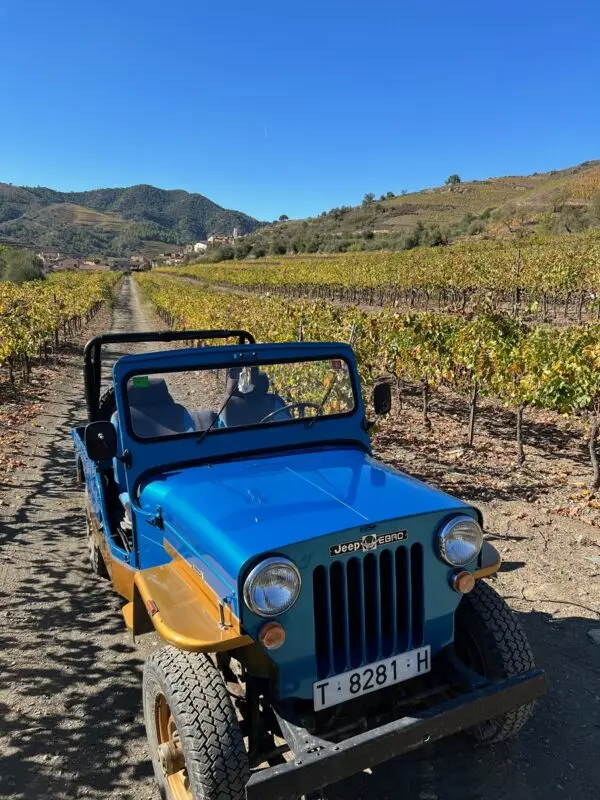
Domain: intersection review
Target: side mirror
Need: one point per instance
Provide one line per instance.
(382, 398)
(100, 440)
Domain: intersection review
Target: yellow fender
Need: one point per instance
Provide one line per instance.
(174, 600)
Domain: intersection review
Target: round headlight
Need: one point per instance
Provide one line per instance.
(460, 541)
(272, 587)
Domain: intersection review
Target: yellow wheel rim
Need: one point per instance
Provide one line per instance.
(170, 754)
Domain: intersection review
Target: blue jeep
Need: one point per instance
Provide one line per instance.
(322, 612)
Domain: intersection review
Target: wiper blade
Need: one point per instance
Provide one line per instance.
(205, 432)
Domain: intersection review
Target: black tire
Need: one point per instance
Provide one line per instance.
(107, 405)
(95, 557)
(491, 641)
(208, 732)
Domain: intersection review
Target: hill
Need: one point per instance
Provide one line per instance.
(111, 222)
(560, 201)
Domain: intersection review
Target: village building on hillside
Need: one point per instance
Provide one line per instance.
(220, 239)
(67, 265)
(169, 259)
(48, 258)
(198, 247)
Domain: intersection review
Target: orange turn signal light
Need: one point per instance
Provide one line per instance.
(271, 635)
(463, 582)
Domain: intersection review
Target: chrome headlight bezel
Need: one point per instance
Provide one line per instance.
(256, 571)
(444, 540)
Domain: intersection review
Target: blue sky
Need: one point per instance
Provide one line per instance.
(294, 108)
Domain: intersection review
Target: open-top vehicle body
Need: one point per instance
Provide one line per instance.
(322, 611)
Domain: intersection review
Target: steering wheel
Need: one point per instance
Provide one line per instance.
(300, 406)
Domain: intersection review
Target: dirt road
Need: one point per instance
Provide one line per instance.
(70, 699)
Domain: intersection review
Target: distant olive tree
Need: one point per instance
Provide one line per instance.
(277, 248)
(573, 219)
(513, 216)
(20, 265)
(452, 180)
(283, 218)
(558, 198)
(595, 206)
(368, 199)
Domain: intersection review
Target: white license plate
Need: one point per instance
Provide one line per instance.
(378, 675)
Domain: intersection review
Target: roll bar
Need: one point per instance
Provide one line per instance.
(92, 355)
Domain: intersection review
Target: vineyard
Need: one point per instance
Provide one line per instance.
(34, 316)
(485, 354)
(550, 278)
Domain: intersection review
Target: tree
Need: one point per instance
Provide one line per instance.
(283, 218)
(368, 199)
(595, 206)
(242, 249)
(558, 199)
(573, 219)
(389, 195)
(21, 265)
(432, 236)
(278, 247)
(513, 216)
(452, 180)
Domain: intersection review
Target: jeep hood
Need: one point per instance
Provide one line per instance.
(219, 516)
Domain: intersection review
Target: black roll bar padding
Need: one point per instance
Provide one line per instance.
(92, 354)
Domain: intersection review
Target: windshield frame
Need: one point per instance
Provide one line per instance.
(243, 360)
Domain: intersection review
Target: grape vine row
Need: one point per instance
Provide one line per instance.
(490, 353)
(34, 315)
(551, 277)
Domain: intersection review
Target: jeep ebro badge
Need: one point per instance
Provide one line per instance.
(367, 543)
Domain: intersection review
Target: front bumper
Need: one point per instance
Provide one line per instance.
(319, 763)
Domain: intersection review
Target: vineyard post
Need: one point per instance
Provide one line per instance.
(426, 420)
(520, 450)
(473, 412)
(594, 428)
(517, 300)
(352, 337)
(398, 404)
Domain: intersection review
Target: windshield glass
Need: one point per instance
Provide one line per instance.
(210, 400)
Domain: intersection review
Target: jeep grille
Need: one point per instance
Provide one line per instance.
(368, 607)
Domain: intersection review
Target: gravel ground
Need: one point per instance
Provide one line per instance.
(70, 698)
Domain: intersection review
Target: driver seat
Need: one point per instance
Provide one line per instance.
(251, 408)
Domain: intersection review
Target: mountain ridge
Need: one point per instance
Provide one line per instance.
(114, 221)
